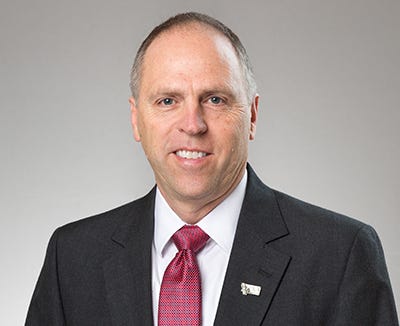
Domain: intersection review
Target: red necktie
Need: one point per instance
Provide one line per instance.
(180, 294)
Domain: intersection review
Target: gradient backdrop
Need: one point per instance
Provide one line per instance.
(328, 131)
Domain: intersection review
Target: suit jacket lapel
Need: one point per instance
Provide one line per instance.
(253, 259)
(127, 273)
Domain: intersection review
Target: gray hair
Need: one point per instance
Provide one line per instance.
(185, 19)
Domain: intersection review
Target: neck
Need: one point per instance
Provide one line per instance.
(191, 211)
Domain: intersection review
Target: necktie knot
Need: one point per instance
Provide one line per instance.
(190, 237)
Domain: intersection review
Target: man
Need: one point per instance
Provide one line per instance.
(266, 258)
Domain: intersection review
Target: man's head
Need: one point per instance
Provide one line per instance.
(194, 116)
(185, 19)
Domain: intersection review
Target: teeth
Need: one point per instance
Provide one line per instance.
(190, 154)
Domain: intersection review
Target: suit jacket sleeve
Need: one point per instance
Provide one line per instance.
(46, 306)
(365, 294)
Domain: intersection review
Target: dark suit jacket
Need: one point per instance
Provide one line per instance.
(315, 267)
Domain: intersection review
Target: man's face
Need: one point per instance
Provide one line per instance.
(192, 116)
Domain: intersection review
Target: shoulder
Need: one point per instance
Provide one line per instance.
(97, 230)
(299, 212)
(324, 230)
(299, 215)
(308, 225)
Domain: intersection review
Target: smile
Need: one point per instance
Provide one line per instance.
(190, 154)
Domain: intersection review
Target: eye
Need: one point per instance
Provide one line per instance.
(215, 100)
(167, 101)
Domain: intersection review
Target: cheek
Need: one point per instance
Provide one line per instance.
(232, 138)
(146, 136)
(237, 127)
(155, 137)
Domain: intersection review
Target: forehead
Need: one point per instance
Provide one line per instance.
(190, 46)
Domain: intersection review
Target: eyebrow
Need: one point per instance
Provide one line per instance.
(219, 89)
(174, 92)
(163, 93)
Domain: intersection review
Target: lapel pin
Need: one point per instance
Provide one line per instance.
(250, 289)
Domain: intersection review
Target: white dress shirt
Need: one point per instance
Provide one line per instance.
(220, 224)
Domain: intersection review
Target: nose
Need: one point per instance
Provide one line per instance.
(192, 121)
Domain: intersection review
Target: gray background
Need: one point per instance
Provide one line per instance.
(328, 131)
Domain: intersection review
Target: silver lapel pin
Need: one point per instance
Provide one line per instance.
(250, 289)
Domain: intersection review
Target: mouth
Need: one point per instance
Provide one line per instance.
(191, 155)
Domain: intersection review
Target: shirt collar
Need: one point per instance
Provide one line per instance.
(220, 224)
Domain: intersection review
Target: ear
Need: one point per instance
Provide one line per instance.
(134, 119)
(253, 117)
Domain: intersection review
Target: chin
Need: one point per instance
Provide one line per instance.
(195, 193)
